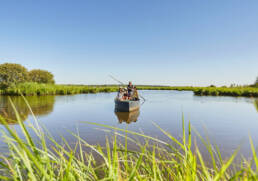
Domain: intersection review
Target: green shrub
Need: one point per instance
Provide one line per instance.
(12, 74)
(41, 76)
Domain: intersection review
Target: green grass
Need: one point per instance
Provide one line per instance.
(153, 159)
(221, 91)
(51, 89)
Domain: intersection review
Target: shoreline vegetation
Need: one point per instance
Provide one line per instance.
(151, 159)
(16, 80)
(32, 88)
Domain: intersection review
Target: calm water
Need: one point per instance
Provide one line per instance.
(227, 121)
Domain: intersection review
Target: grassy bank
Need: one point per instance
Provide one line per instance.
(221, 91)
(152, 159)
(51, 89)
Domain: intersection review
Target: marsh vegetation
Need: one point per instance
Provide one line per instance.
(16, 80)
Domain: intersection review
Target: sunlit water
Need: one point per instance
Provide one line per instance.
(227, 121)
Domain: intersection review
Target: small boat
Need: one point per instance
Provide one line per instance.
(128, 117)
(126, 105)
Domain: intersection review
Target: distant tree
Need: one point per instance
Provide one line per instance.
(41, 76)
(12, 74)
(256, 82)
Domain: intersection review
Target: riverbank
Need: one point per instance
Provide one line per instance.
(30, 89)
(223, 91)
(51, 89)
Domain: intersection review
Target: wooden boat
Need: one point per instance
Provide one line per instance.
(126, 105)
(128, 117)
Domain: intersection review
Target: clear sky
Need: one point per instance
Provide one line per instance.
(172, 42)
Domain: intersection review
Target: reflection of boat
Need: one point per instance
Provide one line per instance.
(126, 105)
(128, 117)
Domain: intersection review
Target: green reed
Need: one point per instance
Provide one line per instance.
(221, 91)
(51, 89)
(152, 159)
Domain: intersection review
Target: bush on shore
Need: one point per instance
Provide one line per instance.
(41, 76)
(12, 74)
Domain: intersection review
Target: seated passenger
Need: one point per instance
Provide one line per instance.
(120, 94)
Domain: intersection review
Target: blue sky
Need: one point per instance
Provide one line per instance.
(169, 42)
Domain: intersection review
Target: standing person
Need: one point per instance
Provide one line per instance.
(130, 89)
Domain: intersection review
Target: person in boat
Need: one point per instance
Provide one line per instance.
(135, 94)
(120, 94)
(130, 89)
(126, 94)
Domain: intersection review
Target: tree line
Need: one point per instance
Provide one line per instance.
(12, 74)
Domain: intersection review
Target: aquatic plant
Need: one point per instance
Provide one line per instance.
(152, 159)
(231, 91)
(51, 89)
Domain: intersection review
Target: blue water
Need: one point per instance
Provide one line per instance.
(227, 121)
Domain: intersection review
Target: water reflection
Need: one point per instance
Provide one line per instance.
(40, 105)
(256, 104)
(128, 117)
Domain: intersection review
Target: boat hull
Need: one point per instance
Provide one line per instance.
(126, 105)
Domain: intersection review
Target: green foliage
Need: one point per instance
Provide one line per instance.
(32, 88)
(224, 91)
(151, 159)
(12, 74)
(41, 76)
(51, 89)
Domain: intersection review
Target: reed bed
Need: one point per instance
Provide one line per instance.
(51, 89)
(221, 91)
(153, 159)
(178, 88)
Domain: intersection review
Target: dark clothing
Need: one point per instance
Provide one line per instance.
(130, 88)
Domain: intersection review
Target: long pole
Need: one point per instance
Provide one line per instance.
(124, 84)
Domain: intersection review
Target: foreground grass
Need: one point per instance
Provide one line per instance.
(153, 159)
(51, 89)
